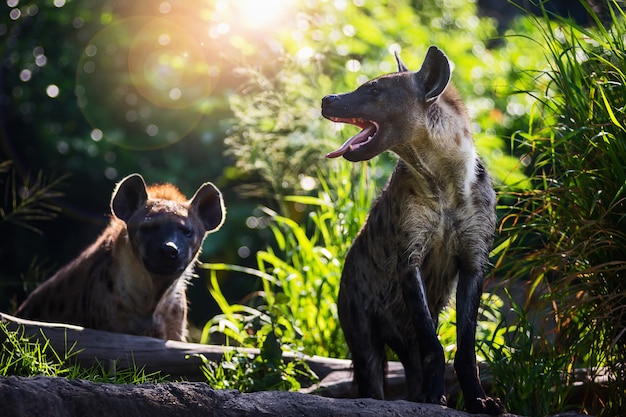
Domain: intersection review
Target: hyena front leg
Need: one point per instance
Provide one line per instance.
(428, 358)
(469, 290)
(366, 346)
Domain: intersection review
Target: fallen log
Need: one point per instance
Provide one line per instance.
(181, 361)
(59, 397)
(178, 360)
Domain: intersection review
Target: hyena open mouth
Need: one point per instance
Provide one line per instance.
(369, 128)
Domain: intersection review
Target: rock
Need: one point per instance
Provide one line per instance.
(59, 397)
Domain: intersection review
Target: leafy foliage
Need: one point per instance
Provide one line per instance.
(300, 276)
(528, 365)
(566, 235)
(273, 139)
(266, 371)
(30, 202)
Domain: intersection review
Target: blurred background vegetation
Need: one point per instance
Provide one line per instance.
(225, 91)
(187, 91)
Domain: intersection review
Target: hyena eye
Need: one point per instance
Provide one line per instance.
(147, 229)
(187, 232)
(374, 89)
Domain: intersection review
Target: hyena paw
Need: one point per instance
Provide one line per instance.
(488, 405)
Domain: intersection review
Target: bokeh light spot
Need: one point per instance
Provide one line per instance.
(152, 130)
(15, 14)
(41, 61)
(25, 75)
(91, 50)
(353, 65)
(52, 91)
(96, 135)
(165, 7)
(175, 94)
(164, 39)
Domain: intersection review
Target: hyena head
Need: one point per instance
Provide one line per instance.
(392, 109)
(165, 229)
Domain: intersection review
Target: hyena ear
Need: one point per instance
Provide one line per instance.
(401, 66)
(129, 195)
(434, 75)
(208, 204)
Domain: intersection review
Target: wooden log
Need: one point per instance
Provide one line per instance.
(59, 397)
(179, 360)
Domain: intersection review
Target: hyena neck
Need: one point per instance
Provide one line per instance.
(440, 159)
(435, 176)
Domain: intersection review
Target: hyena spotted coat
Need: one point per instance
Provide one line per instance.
(133, 278)
(431, 228)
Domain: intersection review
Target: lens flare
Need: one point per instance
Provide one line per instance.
(141, 81)
(163, 58)
(257, 14)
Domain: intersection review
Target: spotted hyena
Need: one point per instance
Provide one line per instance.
(430, 229)
(133, 278)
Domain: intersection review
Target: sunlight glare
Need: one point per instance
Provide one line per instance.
(257, 14)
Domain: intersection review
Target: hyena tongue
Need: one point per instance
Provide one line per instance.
(355, 141)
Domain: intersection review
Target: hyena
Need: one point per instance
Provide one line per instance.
(133, 278)
(430, 229)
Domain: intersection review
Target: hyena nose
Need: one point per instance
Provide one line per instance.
(170, 249)
(329, 99)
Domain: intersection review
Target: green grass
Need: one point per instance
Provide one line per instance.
(531, 375)
(299, 276)
(566, 233)
(25, 356)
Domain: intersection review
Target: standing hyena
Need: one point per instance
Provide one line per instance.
(134, 277)
(431, 227)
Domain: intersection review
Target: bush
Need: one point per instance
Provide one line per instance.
(566, 234)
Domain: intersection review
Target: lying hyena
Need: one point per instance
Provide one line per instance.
(134, 277)
(431, 227)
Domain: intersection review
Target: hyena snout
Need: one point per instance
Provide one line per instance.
(170, 250)
(329, 99)
(169, 253)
